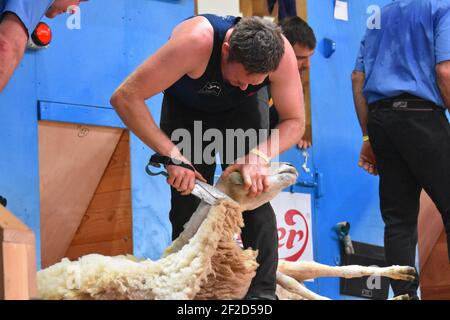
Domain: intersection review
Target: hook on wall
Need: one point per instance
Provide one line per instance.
(329, 47)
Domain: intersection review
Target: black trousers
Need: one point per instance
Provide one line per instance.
(260, 231)
(412, 150)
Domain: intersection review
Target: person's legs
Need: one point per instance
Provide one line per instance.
(260, 231)
(399, 199)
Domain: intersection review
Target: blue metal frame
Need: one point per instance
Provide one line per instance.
(62, 112)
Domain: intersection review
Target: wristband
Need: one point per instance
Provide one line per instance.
(260, 154)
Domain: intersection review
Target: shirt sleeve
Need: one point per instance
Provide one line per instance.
(442, 34)
(30, 12)
(359, 66)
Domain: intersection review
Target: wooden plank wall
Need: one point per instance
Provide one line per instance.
(106, 227)
(72, 160)
(17, 259)
(433, 260)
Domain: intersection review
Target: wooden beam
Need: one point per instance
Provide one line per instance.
(302, 9)
(429, 227)
(17, 259)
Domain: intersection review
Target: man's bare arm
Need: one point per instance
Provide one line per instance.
(13, 41)
(366, 158)
(361, 106)
(159, 72)
(443, 79)
(287, 93)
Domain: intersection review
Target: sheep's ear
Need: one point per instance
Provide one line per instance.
(236, 178)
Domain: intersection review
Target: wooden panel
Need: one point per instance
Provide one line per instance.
(72, 160)
(435, 293)
(260, 8)
(302, 9)
(107, 225)
(433, 258)
(430, 227)
(122, 246)
(435, 275)
(13, 271)
(17, 258)
(254, 8)
(246, 7)
(31, 269)
(13, 230)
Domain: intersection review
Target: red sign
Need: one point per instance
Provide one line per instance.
(293, 235)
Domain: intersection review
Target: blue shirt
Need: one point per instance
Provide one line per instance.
(30, 12)
(401, 56)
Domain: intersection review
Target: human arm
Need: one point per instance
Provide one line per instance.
(156, 74)
(442, 50)
(366, 157)
(13, 41)
(443, 79)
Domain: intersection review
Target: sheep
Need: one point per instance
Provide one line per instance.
(204, 262)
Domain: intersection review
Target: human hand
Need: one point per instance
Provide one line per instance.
(254, 171)
(183, 179)
(304, 144)
(367, 159)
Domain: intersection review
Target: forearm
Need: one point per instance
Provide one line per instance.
(445, 92)
(361, 106)
(13, 39)
(287, 133)
(443, 79)
(7, 66)
(138, 119)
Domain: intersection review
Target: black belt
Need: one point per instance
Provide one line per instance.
(405, 102)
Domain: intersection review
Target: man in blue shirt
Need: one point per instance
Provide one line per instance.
(401, 88)
(18, 18)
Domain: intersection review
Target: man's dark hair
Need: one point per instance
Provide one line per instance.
(297, 31)
(257, 44)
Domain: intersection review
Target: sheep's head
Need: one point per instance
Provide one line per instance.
(281, 175)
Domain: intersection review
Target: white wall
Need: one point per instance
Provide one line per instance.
(219, 7)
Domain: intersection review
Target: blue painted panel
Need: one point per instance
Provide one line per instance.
(19, 160)
(97, 116)
(349, 193)
(84, 67)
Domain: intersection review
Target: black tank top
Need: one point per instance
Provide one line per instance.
(210, 93)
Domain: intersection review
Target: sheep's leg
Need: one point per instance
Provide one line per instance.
(284, 294)
(304, 270)
(293, 286)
